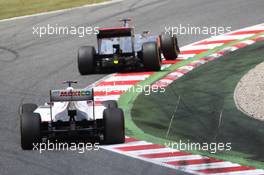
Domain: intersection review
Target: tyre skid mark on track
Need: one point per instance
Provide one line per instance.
(162, 155)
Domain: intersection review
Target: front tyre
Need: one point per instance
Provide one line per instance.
(169, 46)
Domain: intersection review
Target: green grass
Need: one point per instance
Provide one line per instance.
(13, 8)
(205, 92)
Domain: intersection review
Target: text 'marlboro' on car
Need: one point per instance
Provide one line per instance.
(120, 48)
(71, 114)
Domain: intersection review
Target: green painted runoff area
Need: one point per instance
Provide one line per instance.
(206, 112)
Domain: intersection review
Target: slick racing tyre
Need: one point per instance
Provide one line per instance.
(151, 56)
(86, 60)
(110, 104)
(169, 46)
(30, 124)
(28, 108)
(114, 129)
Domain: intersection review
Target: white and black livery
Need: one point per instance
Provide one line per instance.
(120, 48)
(71, 113)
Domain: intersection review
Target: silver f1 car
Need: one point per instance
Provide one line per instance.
(120, 47)
(71, 113)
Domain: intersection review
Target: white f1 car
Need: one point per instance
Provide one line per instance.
(71, 114)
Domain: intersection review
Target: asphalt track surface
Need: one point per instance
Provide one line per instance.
(30, 66)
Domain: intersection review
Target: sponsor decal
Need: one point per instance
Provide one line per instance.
(78, 93)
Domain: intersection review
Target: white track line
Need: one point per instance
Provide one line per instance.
(210, 165)
(152, 151)
(61, 11)
(136, 143)
(177, 74)
(244, 172)
(177, 158)
(164, 66)
(228, 37)
(165, 81)
(257, 27)
(127, 78)
(106, 97)
(113, 88)
(186, 68)
(185, 56)
(249, 42)
(203, 46)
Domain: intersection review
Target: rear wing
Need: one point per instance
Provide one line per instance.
(71, 95)
(114, 32)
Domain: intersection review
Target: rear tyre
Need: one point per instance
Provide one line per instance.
(86, 60)
(151, 56)
(169, 46)
(30, 124)
(110, 104)
(114, 130)
(28, 108)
